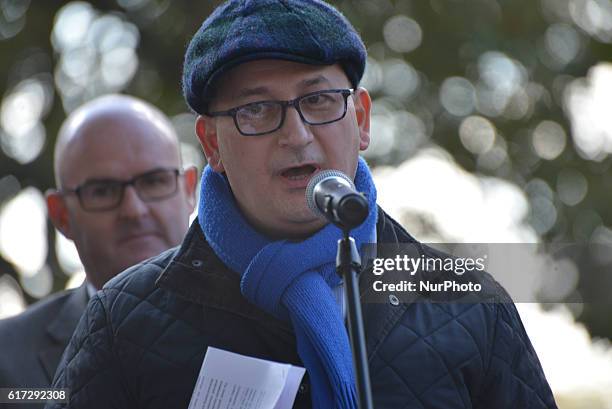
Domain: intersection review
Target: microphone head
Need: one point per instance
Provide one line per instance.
(318, 178)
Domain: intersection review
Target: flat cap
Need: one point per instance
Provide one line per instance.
(238, 31)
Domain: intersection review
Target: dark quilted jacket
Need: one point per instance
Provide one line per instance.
(142, 341)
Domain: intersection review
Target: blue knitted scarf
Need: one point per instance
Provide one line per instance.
(292, 281)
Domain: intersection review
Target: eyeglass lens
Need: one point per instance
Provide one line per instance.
(315, 109)
(108, 194)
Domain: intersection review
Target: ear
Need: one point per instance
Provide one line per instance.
(363, 105)
(206, 131)
(190, 176)
(58, 212)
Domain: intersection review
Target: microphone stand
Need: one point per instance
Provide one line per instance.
(348, 263)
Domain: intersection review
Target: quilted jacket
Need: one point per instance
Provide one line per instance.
(143, 338)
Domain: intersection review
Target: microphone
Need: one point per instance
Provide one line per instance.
(332, 195)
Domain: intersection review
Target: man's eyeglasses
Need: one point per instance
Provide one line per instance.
(100, 195)
(315, 108)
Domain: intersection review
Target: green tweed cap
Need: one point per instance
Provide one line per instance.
(238, 31)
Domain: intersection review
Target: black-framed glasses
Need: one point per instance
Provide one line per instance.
(107, 194)
(263, 117)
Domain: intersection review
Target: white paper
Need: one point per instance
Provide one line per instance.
(287, 397)
(232, 381)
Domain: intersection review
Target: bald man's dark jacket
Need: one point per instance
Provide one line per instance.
(143, 337)
(32, 343)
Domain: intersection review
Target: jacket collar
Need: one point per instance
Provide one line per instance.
(60, 330)
(198, 275)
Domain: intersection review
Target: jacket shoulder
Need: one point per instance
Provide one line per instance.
(140, 278)
(482, 348)
(388, 230)
(120, 326)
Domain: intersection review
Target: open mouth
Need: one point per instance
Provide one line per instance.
(299, 172)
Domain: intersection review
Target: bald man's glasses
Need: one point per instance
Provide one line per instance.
(107, 194)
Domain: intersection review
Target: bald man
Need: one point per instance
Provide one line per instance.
(121, 197)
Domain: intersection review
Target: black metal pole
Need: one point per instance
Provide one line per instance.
(348, 264)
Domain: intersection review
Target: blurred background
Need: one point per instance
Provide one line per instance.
(492, 123)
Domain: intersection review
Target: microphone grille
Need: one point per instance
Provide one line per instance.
(316, 179)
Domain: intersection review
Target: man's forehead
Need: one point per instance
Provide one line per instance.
(265, 76)
(308, 81)
(81, 166)
(120, 117)
(116, 132)
(116, 147)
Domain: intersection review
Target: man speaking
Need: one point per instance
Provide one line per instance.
(276, 87)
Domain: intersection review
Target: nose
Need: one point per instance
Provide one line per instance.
(132, 206)
(294, 133)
